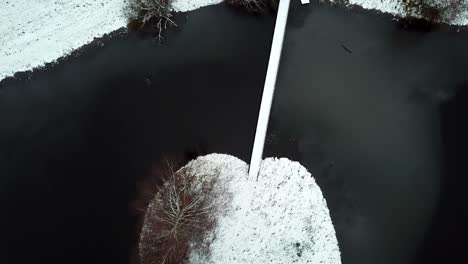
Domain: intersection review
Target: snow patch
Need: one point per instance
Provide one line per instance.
(188, 5)
(36, 32)
(281, 218)
(396, 8)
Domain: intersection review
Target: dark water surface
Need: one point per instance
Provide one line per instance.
(76, 137)
(378, 115)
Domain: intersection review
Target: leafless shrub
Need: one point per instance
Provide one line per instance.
(452, 9)
(254, 6)
(178, 218)
(433, 11)
(153, 14)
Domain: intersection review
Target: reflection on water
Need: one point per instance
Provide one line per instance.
(361, 98)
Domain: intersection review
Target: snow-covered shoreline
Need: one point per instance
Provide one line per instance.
(395, 8)
(36, 32)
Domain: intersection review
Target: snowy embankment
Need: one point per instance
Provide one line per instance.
(281, 218)
(36, 32)
(396, 8)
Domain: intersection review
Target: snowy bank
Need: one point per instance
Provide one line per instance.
(188, 5)
(282, 218)
(396, 8)
(33, 33)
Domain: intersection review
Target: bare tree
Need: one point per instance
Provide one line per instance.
(178, 218)
(155, 14)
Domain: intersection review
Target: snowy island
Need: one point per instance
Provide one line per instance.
(281, 218)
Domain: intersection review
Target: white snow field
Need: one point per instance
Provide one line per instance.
(36, 32)
(281, 218)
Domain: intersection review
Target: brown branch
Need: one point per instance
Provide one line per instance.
(180, 215)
